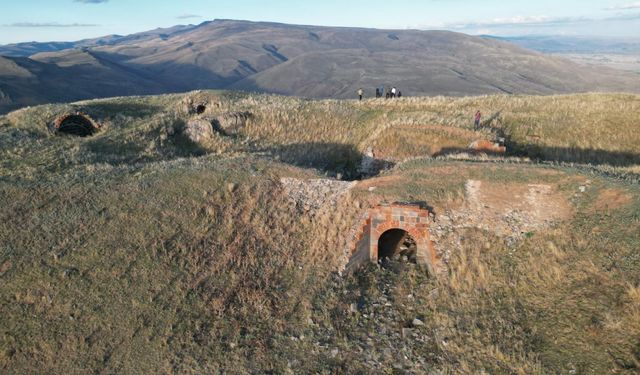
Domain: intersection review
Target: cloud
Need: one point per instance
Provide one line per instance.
(188, 16)
(538, 21)
(90, 1)
(48, 24)
(635, 5)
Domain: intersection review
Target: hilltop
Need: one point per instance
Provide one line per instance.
(290, 60)
(207, 232)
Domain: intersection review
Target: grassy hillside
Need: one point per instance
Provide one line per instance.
(596, 129)
(137, 250)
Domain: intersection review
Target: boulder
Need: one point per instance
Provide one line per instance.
(417, 323)
(198, 130)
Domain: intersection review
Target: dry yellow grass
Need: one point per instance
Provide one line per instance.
(133, 251)
(585, 128)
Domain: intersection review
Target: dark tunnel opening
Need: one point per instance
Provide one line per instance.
(77, 125)
(395, 244)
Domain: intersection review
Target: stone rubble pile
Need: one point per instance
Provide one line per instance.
(312, 195)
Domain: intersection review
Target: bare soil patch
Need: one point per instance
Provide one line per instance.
(511, 211)
(611, 199)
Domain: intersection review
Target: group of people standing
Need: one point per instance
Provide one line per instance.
(395, 93)
(391, 93)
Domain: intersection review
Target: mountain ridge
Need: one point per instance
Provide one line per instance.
(299, 60)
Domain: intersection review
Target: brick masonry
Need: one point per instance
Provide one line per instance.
(414, 219)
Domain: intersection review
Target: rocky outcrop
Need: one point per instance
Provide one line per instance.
(201, 129)
(198, 130)
(231, 123)
(199, 103)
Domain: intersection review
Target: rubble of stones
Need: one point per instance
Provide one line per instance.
(384, 337)
(207, 118)
(312, 195)
(201, 129)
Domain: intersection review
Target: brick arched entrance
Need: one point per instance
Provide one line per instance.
(413, 219)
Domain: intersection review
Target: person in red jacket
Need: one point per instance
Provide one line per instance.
(477, 120)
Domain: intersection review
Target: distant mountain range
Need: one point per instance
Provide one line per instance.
(574, 44)
(308, 61)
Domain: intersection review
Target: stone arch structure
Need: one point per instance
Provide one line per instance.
(76, 124)
(414, 219)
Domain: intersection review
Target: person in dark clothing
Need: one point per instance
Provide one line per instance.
(477, 118)
(399, 94)
(378, 92)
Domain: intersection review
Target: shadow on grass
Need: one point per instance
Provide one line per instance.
(337, 160)
(117, 151)
(331, 158)
(573, 155)
(557, 154)
(459, 150)
(109, 109)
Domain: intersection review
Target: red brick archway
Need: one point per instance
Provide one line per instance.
(412, 218)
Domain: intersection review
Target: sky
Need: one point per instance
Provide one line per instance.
(70, 20)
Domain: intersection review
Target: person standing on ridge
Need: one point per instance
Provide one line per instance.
(478, 117)
(393, 92)
(360, 93)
